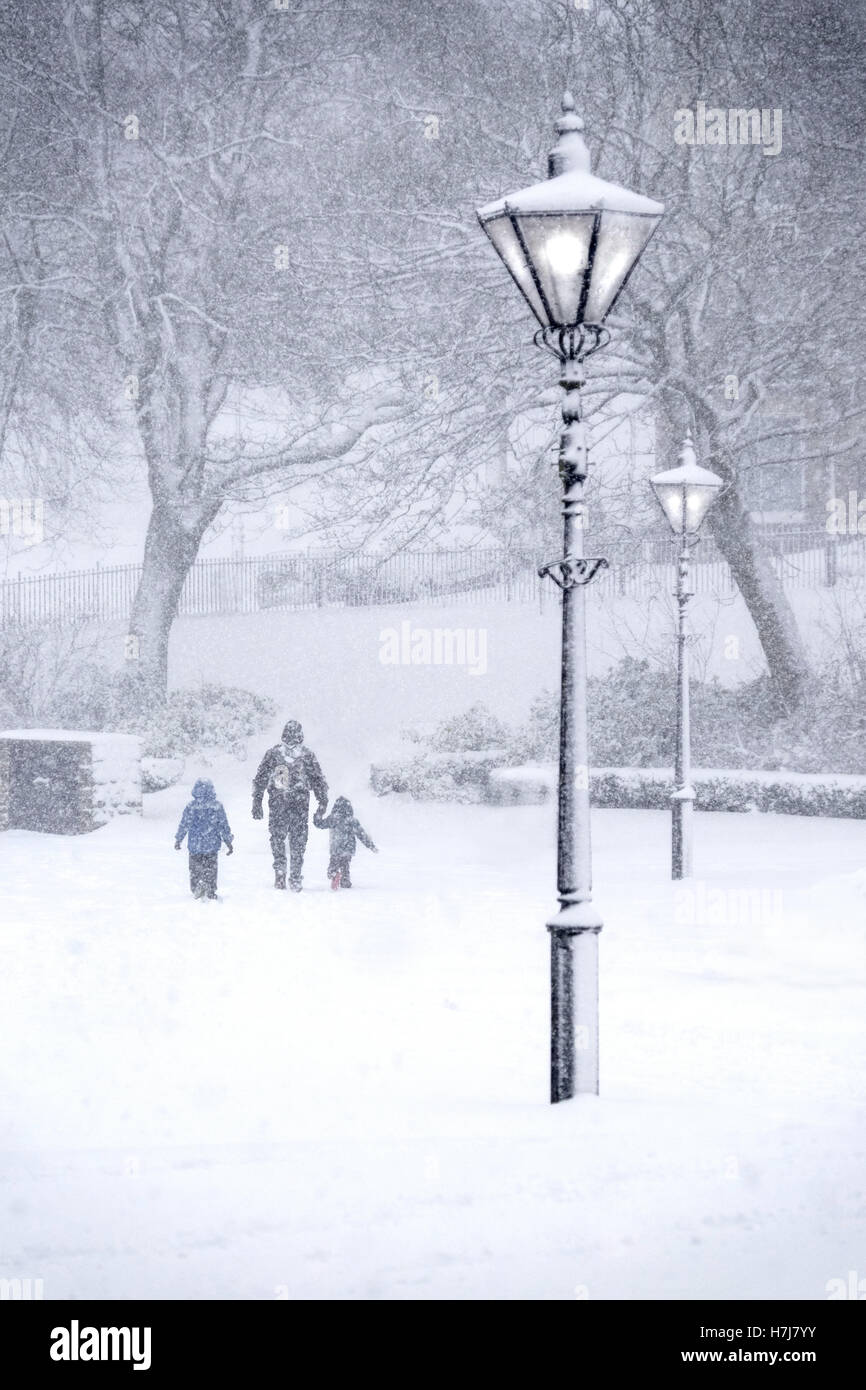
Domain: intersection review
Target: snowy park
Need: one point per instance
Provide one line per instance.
(344, 1095)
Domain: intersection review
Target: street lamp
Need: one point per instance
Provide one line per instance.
(570, 244)
(685, 495)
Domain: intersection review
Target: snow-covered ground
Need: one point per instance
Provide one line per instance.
(344, 1095)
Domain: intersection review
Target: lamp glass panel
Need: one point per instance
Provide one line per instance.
(506, 241)
(558, 246)
(685, 504)
(621, 239)
(670, 499)
(699, 499)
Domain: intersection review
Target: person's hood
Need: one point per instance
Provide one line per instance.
(293, 734)
(203, 790)
(342, 808)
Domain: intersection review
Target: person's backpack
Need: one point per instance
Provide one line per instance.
(289, 777)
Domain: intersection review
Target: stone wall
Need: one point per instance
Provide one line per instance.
(61, 781)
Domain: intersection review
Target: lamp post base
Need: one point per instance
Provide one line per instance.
(574, 1002)
(682, 813)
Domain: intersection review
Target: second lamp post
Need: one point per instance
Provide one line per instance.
(685, 495)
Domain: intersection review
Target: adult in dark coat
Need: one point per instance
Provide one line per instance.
(288, 773)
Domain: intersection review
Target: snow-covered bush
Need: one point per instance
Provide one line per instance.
(529, 785)
(451, 763)
(632, 724)
(630, 719)
(475, 730)
(473, 756)
(538, 739)
(431, 776)
(159, 773)
(52, 678)
(49, 676)
(209, 716)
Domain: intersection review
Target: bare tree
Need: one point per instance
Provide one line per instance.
(164, 234)
(243, 209)
(739, 299)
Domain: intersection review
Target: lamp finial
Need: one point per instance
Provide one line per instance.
(569, 154)
(687, 453)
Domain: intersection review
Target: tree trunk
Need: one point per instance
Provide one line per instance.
(169, 553)
(760, 588)
(763, 595)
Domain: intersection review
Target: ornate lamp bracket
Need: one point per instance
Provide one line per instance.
(573, 570)
(573, 344)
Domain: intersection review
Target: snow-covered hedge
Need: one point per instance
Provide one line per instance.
(784, 793)
(483, 777)
(461, 777)
(159, 773)
(116, 774)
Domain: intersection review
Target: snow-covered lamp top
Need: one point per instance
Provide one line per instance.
(570, 242)
(685, 494)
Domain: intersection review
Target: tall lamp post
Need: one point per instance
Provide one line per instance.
(570, 244)
(685, 495)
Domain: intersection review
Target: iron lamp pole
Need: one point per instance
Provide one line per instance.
(685, 495)
(570, 244)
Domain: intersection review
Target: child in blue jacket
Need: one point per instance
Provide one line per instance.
(204, 822)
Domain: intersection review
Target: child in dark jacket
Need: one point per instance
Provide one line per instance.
(345, 830)
(204, 822)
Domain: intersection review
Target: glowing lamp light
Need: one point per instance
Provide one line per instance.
(685, 494)
(571, 242)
